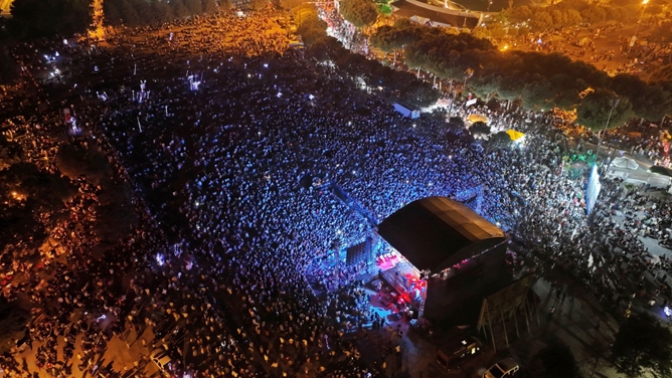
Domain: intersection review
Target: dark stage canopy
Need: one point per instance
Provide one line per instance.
(436, 232)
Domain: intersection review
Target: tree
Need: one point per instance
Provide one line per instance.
(9, 70)
(111, 13)
(194, 6)
(47, 18)
(594, 109)
(129, 15)
(500, 140)
(179, 9)
(481, 32)
(594, 14)
(326, 48)
(210, 6)
(162, 11)
(642, 345)
(479, 128)
(497, 30)
(572, 17)
(650, 101)
(520, 14)
(26, 193)
(554, 361)
(542, 21)
(360, 13)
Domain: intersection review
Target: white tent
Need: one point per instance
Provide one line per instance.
(623, 162)
(421, 20)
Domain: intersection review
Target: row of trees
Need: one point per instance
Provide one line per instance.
(542, 81)
(146, 12)
(47, 18)
(564, 14)
(360, 13)
(394, 85)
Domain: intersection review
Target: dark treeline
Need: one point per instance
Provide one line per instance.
(48, 18)
(147, 12)
(541, 81)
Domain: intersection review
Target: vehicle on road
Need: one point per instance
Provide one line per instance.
(452, 355)
(503, 369)
(161, 358)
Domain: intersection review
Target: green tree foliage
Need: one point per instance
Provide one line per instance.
(309, 25)
(542, 20)
(593, 111)
(360, 13)
(594, 14)
(9, 70)
(554, 361)
(541, 81)
(642, 345)
(26, 193)
(129, 14)
(497, 30)
(479, 128)
(449, 56)
(75, 159)
(520, 14)
(563, 14)
(180, 10)
(649, 101)
(162, 11)
(112, 13)
(47, 18)
(194, 6)
(500, 140)
(390, 38)
(209, 6)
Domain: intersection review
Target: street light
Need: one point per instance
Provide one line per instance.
(467, 74)
(639, 22)
(614, 104)
(489, 4)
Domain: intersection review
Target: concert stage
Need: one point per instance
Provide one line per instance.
(442, 257)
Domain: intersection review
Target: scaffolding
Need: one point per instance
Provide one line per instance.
(505, 304)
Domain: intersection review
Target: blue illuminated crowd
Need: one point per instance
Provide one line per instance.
(231, 176)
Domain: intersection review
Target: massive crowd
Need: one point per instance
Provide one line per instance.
(231, 179)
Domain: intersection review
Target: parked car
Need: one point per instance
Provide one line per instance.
(452, 355)
(161, 358)
(503, 369)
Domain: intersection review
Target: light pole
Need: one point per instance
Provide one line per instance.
(489, 4)
(615, 103)
(468, 73)
(639, 22)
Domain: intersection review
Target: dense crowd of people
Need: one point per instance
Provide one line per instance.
(232, 179)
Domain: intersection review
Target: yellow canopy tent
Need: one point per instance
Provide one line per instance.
(473, 118)
(515, 135)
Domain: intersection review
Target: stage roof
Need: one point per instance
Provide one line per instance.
(436, 232)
